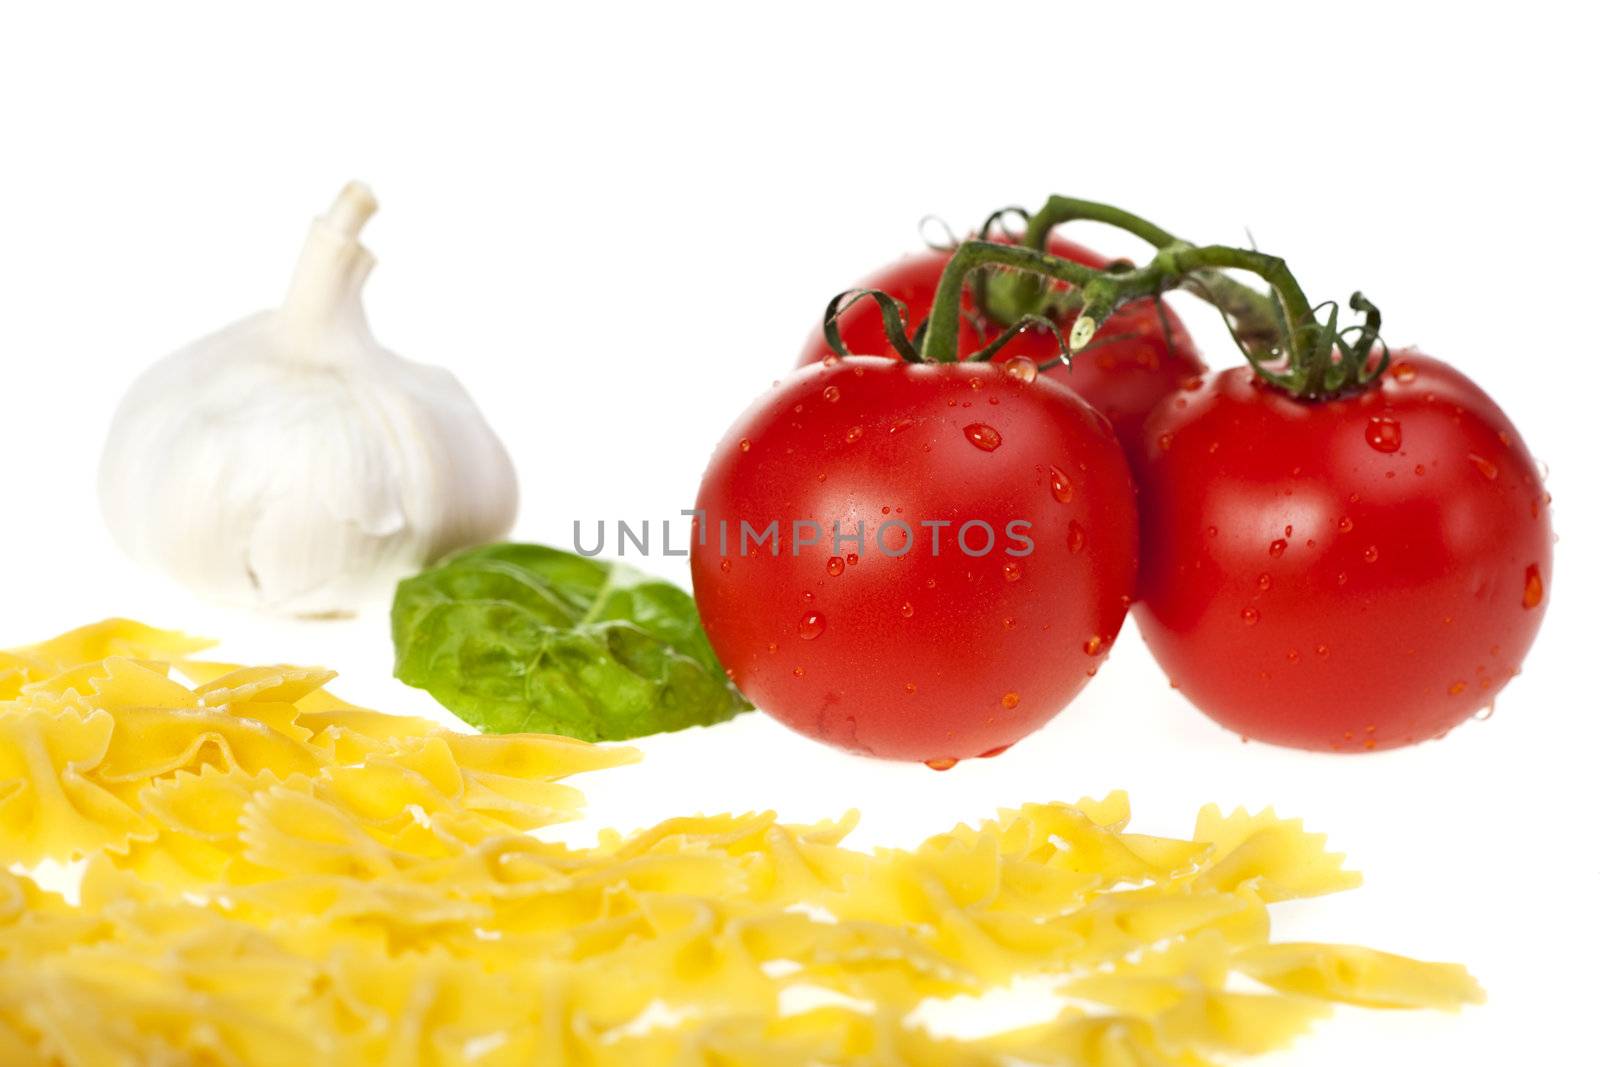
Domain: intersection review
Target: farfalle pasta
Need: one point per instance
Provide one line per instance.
(273, 876)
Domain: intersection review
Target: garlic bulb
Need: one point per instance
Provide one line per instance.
(289, 462)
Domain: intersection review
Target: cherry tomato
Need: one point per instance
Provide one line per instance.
(992, 573)
(1353, 574)
(1130, 367)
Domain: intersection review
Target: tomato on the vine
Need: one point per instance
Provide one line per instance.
(1347, 574)
(985, 568)
(1135, 361)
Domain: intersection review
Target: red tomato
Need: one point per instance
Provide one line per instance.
(1129, 369)
(892, 647)
(1354, 574)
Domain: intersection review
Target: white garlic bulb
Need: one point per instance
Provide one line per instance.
(290, 463)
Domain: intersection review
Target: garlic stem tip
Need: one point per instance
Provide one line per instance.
(354, 206)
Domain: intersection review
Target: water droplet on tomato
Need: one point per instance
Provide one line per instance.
(1369, 744)
(898, 425)
(930, 583)
(1165, 441)
(1371, 554)
(982, 435)
(1322, 650)
(1009, 623)
(1010, 700)
(799, 672)
(726, 565)
(1264, 582)
(1012, 570)
(1277, 548)
(1250, 616)
(1346, 525)
(1060, 485)
(1342, 578)
(1484, 714)
(1457, 688)
(911, 687)
(1383, 433)
(1091, 647)
(940, 764)
(906, 610)
(1211, 531)
(851, 558)
(1532, 587)
(1293, 655)
(831, 394)
(830, 360)
(811, 625)
(835, 565)
(993, 752)
(884, 509)
(1403, 372)
(852, 435)
(1022, 369)
(744, 444)
(1075, 536)
(1485, 468)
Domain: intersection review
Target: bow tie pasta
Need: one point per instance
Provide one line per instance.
(272, 876)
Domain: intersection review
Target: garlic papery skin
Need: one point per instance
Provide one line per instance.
(290, 463)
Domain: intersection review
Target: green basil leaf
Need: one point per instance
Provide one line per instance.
(524, 637)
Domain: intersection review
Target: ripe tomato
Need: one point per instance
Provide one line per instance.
(1353, 574)
(1127, 371)
(899, 646)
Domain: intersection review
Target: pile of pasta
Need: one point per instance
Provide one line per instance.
(272, 876)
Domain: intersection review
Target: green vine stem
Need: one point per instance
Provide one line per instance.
(1254, 321)
(1307, 357)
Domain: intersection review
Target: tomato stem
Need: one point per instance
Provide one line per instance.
(1278, 331)
(1063, 209)
(944, 320)
(1010, 296)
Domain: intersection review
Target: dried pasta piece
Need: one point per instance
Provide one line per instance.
(49, 807)
(263, 685)
(110, 685)
(105, 640)
(1245, 1024)
(1275, 858)
(1076, 1040)
(151, 742)
(1351, 974)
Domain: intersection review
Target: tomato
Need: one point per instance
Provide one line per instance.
(898, 645)
(1352, 574)
(1130, 367)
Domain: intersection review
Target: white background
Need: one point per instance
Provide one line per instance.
(616, 224)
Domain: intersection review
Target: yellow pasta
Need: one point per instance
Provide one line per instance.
(274, 876)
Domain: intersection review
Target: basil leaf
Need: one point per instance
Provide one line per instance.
(527, 638)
